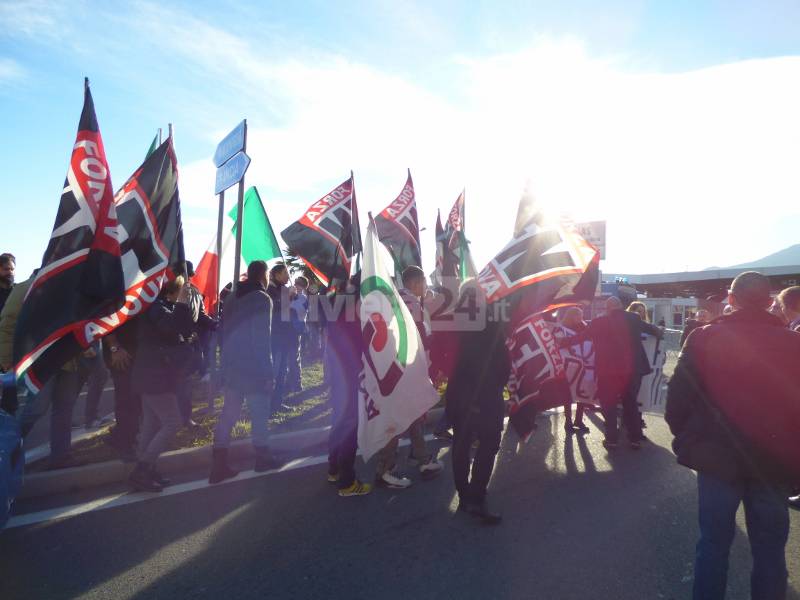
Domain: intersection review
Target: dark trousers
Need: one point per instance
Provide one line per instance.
(610, 394)
(767, 518)
(343, 440)
(472, 476)
(64, 394)
(281, 350)
(184, 395)
(294, 364)
(94, 374)
(127, 409)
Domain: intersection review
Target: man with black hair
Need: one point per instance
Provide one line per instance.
(732, 406)
(7, 265)
(412, 293)
(476, 408)
(282, 330)
(247, 371)
(343, 352)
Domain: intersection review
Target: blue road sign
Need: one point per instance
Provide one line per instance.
(231, 172)
(230, 145)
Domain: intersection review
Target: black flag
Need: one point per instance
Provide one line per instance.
(151, 248)
(327, 236)
(81, 273)
(398, 228)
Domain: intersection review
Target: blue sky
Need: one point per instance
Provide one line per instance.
(675, 121)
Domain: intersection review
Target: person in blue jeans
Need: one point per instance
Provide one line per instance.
(247, 371)
(283, 334)
(731, 406)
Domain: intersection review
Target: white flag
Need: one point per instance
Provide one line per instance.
(395, 389)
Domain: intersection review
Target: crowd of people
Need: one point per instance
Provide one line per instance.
(733, 387)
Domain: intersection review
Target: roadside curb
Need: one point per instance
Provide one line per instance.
(74, 479)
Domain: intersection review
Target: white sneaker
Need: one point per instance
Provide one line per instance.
(392, 481)
(430, 469)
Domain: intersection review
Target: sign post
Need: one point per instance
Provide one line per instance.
(231, 162)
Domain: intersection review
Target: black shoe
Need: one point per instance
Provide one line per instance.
(220, 471)
(569, 429)
(159, 478)
(265, 461)
(141, 479)
(481, 511)
(443, 436)
(581, 428)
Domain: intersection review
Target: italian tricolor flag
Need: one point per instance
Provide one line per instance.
(258, 243)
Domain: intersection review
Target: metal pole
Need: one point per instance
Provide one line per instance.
(159, 136)
(169, 129)
(237, 264)
(220, 218)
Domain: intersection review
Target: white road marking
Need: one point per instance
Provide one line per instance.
(125, 498)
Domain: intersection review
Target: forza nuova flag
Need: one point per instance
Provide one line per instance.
(81, 273)
(457, 260)
(398, 228)
(151, 247)
(545, 265)
(327, 236)
(394, 387)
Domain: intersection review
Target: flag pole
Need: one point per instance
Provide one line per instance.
(159, 136)
(220, 218)
(237, 264)
(169, 130)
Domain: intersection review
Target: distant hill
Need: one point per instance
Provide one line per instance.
(787, 257)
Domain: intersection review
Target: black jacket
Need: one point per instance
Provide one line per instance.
(162, 356)
(733, 403)
(480, 373)
(617, 339)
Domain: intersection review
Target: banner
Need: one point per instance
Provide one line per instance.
(151, 246)
(394, 387)
(398, 228)
(327, 236)
(81, 272)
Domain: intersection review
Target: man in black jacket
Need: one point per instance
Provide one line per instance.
(620, 364)
(475, 407)
(733, 408)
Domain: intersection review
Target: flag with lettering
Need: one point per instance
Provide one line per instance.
(327, 236)
(151, 248)
(81, 273)
(394, 387)
(398, 228)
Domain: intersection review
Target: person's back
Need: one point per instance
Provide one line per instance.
(246, 357)
(745, 364)
(733, 408)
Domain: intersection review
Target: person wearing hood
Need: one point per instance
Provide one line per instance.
(247, 371)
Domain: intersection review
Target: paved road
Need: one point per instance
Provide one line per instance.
(578, 524)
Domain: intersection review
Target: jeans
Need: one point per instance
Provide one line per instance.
(259, 405)
(472, 476)
(92, 371)
(609, 396)
(294, 365)
(127, 410)
(343, 440)
(767, 518)
(281, 347)
(387, 457)
(59, 394)
(161, 420)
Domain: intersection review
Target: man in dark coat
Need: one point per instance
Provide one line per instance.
(476, 409)
(620, 364)
(247, 371)
(733, 408)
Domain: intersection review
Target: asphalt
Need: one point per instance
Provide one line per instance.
(578, 523)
